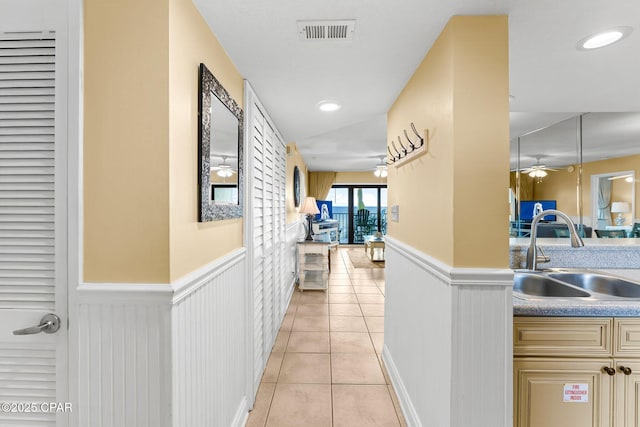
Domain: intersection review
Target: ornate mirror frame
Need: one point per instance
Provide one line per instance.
(210, 86)
(296, 186)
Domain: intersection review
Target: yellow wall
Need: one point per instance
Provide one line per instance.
(562, 185)
(294, 158)
(453, 201)
(126, 141)
(194, 244)
(140, 152)
(358, 178)
(215, 178)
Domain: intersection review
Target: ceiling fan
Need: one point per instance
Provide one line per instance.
(381, 168)
(224, 169)
(538, 170)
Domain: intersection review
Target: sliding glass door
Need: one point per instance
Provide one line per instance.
(340, 199)
(361, 211)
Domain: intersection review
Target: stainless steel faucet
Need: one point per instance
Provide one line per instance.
(532, 253)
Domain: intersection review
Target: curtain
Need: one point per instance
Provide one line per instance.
(320, 184)
(604, 201)
(526, 185)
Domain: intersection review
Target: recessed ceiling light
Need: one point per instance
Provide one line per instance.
(604, 38)
(329, 106)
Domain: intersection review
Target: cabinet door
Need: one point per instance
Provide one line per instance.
(562, 392)
(627, 393)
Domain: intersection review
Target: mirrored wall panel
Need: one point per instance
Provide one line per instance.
(586, 165)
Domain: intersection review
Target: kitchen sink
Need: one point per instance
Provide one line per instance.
(602, 284)
(540, 285)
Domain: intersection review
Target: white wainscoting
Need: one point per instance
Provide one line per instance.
(292, 237)
(448, 340)
(166, 354)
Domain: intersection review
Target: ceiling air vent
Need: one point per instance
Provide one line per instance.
(326, 30)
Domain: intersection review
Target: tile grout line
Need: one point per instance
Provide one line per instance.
(363, 281)
(330, 367)
(266, 418)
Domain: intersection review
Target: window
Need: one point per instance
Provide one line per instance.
(224, 193)
(347, 200)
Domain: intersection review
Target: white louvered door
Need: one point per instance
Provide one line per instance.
(255, 129)
(268, 292)
(265, 175)
(32, 230)
(279, 221)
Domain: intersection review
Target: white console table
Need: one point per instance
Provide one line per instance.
(314, 261)
(328, 227)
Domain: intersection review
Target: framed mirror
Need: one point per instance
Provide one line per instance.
(220, 166)
(296, 187)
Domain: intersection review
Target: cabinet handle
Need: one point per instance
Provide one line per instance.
(625, 370)
(609, 370)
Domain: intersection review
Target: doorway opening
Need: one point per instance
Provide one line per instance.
(609, 192)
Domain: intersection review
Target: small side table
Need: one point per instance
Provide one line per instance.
(371, 243)
(313, 265)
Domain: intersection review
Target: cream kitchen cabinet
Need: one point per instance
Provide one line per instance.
(627, 392)
(582, 372)
(543, 386)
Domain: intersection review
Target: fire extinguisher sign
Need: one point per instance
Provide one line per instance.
(578, 393)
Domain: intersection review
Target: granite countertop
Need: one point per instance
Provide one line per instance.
(620, 257)
(574, 307)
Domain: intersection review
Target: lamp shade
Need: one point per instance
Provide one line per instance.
(620, 207)
(309, 206)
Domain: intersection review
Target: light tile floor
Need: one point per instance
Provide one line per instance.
(325, 369)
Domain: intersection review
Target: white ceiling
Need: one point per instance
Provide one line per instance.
(550, 79)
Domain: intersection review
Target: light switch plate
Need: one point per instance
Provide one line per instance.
(395, 213)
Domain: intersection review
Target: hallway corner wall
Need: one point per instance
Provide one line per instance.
(454, 368)
(126, 141)
(192, 42)
(165, 355)
(459, 94)
(447, 277)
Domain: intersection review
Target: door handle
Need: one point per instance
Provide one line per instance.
(49, 324)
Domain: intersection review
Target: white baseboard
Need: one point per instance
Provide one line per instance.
(242, 414)
(406, 405)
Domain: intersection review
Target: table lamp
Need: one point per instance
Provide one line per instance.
(310, 208)
(620, 208)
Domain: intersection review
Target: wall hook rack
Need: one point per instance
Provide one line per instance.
(415, 148)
